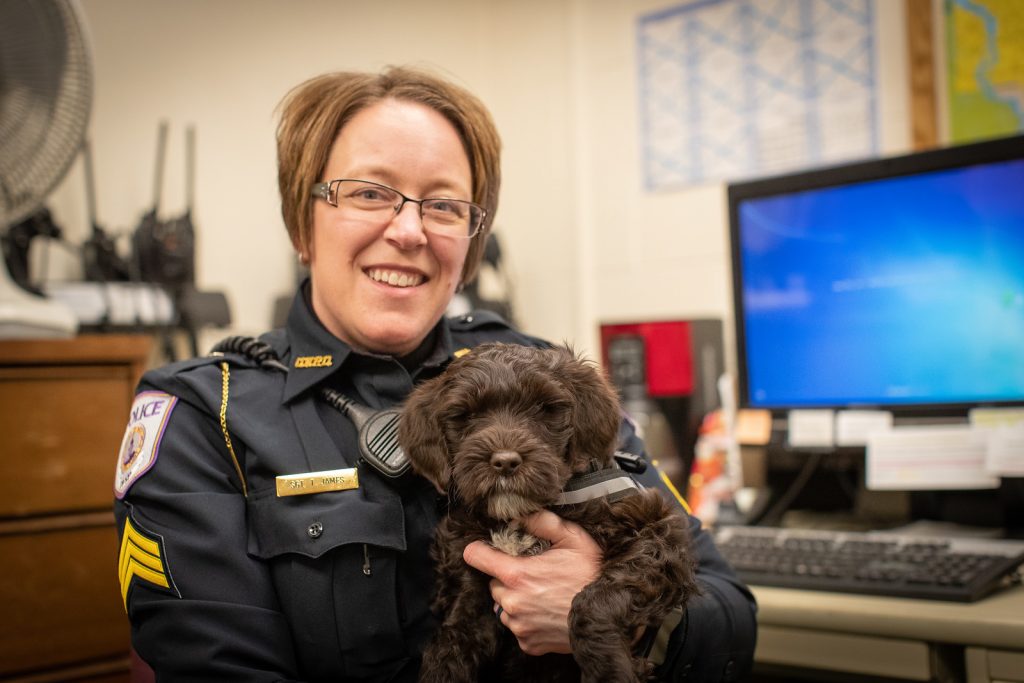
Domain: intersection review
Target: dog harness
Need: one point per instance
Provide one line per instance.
(612, 483)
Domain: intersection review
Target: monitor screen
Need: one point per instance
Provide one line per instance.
(894, 283)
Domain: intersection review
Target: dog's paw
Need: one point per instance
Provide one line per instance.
(515, 541)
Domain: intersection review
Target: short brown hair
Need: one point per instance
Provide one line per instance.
(314, 112)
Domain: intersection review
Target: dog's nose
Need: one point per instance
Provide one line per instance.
(506, 462)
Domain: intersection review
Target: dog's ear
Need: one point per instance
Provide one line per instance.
(421, 434)
(596, 415)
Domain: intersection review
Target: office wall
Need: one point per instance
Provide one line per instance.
(659, 255)
(584, 243)
(224, 66)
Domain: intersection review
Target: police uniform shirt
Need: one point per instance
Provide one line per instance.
(223, 579)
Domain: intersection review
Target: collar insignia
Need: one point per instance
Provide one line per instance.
(314, 361)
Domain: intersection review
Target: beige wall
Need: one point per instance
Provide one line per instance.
(665, 255)
(583, 241)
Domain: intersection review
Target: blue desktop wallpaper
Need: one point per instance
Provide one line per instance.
(902, 291)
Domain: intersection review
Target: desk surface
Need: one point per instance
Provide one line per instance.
(996, 621)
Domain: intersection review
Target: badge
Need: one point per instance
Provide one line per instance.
(141, 441)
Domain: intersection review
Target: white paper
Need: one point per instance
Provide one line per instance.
(811, 428)
(1005, 455)
(854, 426)
(996, 417)
(928, 458)
(1005, 430)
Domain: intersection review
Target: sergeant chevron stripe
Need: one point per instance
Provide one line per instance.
(142, 558)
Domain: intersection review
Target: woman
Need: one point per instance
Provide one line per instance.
(238, 562)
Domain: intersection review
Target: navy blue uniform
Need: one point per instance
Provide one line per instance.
(224, 580)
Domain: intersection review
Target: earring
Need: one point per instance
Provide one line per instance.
(303, 258)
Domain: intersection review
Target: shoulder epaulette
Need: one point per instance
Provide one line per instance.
(182, 366)
(250, 352)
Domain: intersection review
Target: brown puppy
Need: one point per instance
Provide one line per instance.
(502, 431)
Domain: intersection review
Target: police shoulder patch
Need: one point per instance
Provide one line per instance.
(142, 558)
(141, 441)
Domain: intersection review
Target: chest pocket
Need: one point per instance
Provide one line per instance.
(334, 557)
(311, 525)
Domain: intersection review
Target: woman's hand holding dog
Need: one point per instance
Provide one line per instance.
(536, 592)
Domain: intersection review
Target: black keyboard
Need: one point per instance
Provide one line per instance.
(875, 563)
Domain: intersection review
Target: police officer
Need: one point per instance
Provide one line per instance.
(258, 542)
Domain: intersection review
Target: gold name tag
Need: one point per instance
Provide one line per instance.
(317, 482)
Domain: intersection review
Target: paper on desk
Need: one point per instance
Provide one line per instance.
(996, 417)
(939, 457)
(854, 426)
(1005, 429)
(811, 427)
(753, 427)
(1005, 455)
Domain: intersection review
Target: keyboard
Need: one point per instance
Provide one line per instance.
(872, 562)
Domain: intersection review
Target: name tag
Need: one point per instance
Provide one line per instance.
(317, 482)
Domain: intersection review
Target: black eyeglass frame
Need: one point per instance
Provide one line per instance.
(328, 192)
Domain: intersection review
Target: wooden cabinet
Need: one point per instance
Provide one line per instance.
(63, 408)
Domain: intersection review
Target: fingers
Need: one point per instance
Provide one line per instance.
(535, 592)
(568, 535)
(481, 556)
(563, 535)
(504, 600)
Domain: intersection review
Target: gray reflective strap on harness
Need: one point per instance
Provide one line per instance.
(611, 483)
(615, 484)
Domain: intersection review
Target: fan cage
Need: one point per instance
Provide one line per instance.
(46, 90)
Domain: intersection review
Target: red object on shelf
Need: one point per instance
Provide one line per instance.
(668, 354)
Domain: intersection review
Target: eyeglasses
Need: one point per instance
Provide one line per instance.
(368, 200)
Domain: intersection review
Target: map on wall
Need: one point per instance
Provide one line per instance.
(985, 68)
(731, 89)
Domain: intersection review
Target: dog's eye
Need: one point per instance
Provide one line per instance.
(451, 419)
(458, 418)
(554, 408)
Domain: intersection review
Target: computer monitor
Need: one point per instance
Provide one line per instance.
(895, 284)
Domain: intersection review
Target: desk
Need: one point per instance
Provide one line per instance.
(917, 640)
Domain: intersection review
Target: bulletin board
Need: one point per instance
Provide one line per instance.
(730, 89)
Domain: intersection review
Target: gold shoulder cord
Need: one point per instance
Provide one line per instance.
(226, 377)
(671, 487)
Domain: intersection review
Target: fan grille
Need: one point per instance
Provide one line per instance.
(45, 100)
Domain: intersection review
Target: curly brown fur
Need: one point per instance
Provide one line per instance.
(501, 431)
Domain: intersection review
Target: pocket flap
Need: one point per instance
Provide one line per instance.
(311, 525)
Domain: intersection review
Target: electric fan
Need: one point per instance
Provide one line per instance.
(45, 101)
